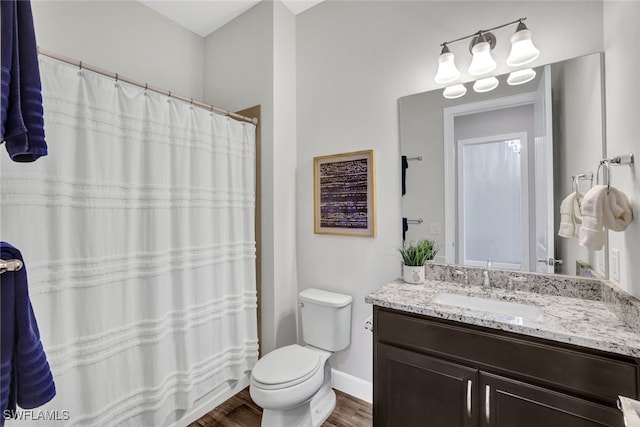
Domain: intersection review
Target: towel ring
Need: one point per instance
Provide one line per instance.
(606, 165)
(574, 184)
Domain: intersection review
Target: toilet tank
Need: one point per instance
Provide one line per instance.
(326, 319)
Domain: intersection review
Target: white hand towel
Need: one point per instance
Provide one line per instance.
(591, 234)
(617, 212)
(570, 215)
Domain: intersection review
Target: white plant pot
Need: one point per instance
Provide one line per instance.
(413, 274)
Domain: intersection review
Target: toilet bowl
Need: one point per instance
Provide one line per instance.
(293, 384)
(286, 382)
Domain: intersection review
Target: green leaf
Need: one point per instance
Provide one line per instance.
(417, 254)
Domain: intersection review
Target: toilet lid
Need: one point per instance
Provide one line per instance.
(286, 364)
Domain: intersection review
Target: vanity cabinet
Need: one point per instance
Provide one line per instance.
(436, 373)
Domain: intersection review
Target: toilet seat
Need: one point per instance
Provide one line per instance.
(286, 367)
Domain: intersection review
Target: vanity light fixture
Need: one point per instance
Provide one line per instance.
(455, 91)
(522, 49)
(521, 77)
(447, 70)
(483, 64)
(485, 85)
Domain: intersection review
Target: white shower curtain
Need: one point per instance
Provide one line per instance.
(138, 236)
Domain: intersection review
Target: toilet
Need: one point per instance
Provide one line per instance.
(293, 384)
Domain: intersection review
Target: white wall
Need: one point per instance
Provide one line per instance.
(284, 169)
(622, 61)
(124, 37)
(250, 61)
(354, 60)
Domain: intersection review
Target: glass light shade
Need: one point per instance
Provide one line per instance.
(447, 70)
(521, 77)
(482, 61)
(522, 49)
(455, 91)
(485, 85)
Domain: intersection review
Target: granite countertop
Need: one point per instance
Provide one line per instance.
(585, 321)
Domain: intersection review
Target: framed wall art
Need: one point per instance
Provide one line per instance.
(344, 194)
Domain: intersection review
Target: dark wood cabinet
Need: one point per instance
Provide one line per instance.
(419, 390)
(435, 373)
(510, 403)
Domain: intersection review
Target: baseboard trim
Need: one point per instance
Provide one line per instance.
(354, 386)
(209, 403)
(342, 381)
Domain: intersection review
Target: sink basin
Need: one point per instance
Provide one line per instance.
(511, 312)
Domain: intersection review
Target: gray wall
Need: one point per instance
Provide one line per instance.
(622, 60)
(124, 37)
(251, 61)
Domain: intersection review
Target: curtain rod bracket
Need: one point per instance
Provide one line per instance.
(10, 265)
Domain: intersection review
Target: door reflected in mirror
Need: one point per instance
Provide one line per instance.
(493, 201)
(495, 167)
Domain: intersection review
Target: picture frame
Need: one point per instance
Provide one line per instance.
(344, 194)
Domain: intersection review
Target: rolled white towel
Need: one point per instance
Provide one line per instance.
(591, 234)
(617, 211)
(570, 215)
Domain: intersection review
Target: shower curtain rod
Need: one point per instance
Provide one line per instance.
(81, 65)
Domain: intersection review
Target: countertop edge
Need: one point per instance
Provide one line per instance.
(606, 346)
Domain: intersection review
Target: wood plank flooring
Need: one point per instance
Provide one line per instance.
(240, 411)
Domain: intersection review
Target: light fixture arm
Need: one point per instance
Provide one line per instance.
(484, 32)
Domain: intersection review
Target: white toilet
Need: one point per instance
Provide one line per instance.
(293, 384)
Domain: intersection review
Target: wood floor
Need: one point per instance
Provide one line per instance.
(240, 411)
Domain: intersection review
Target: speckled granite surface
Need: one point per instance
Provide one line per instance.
(584, 312)
(566, 286)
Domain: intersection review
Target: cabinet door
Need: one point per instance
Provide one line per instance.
(508, 403)
(412, 389)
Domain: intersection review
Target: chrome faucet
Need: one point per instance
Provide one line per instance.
(465, 276)
(486, 283)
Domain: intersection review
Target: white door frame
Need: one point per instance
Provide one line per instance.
(450, 178)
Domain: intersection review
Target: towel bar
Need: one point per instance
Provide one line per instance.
(10, 265)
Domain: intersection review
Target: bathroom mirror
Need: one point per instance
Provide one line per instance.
(487, 172)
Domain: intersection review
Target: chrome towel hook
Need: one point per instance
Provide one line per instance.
(625, 159)
(605, 163)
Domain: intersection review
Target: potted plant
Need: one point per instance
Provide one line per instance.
(414, 257)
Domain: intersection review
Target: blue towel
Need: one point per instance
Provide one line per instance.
(405, 228)
(405, 166)
(25, 376)
(21, 97)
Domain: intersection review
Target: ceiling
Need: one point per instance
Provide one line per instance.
(205, 16)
